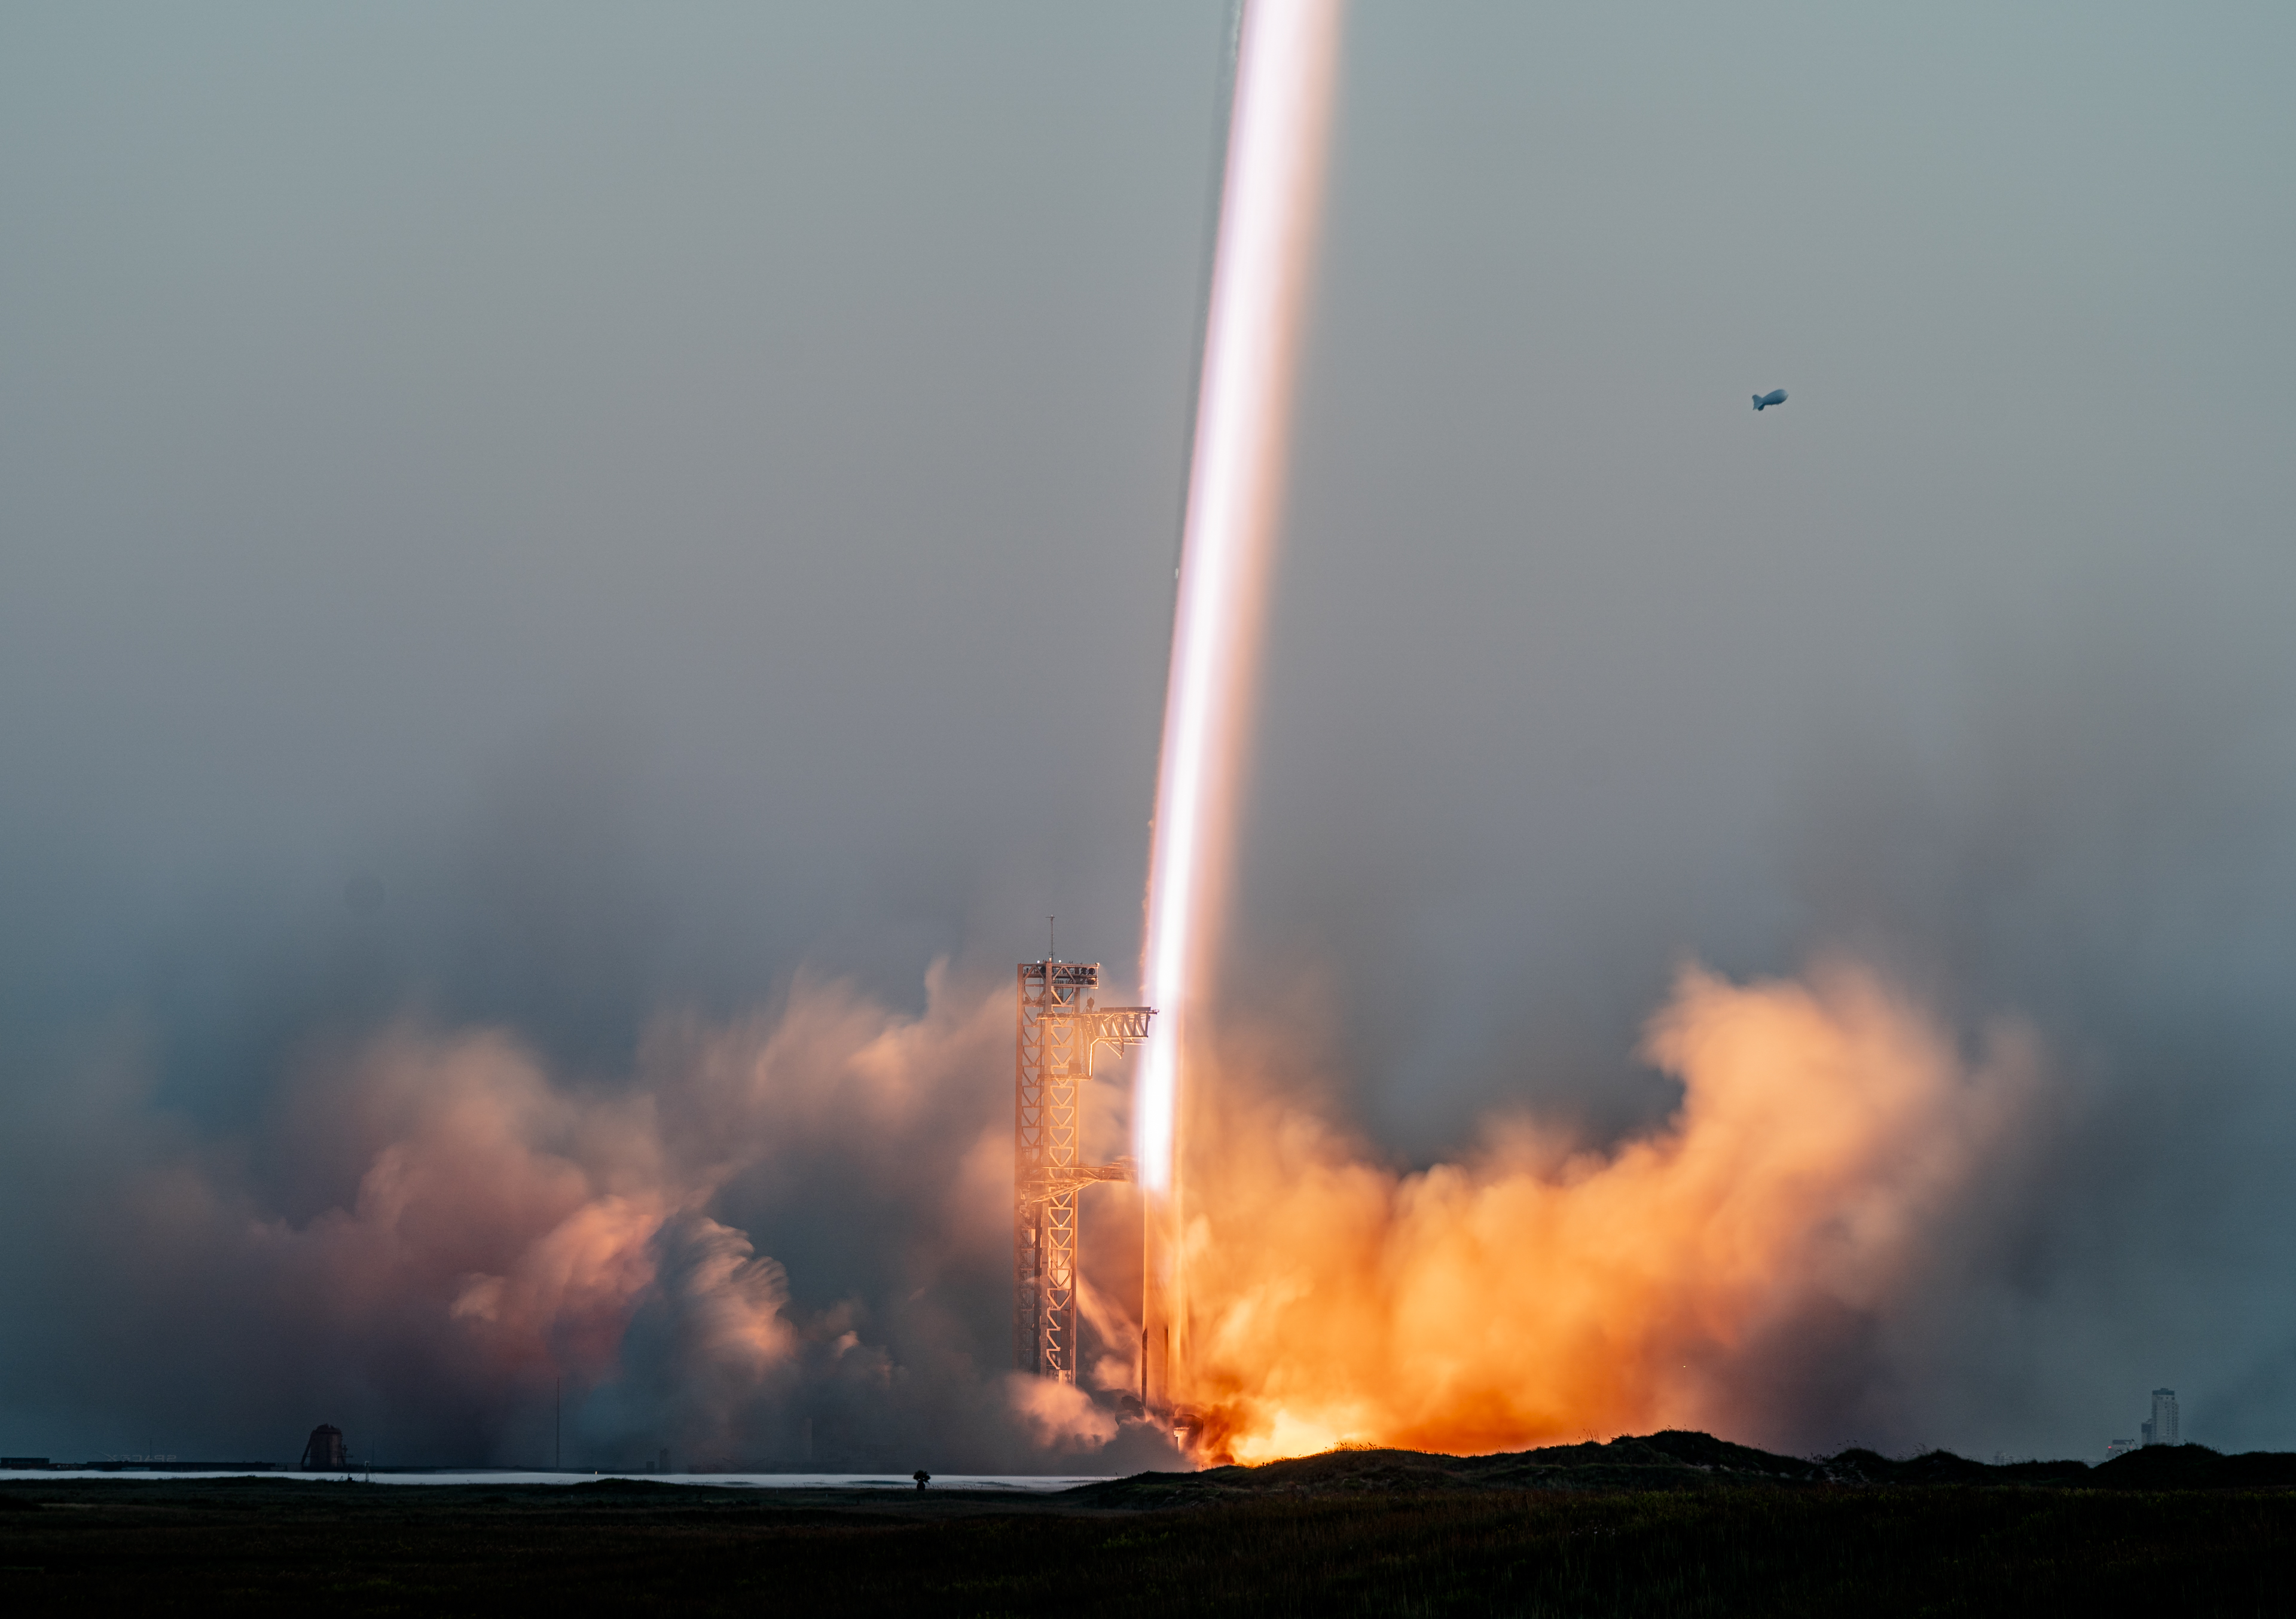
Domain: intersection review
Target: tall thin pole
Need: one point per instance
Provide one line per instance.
(557, 1429)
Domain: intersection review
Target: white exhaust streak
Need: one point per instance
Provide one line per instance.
(1269, 203)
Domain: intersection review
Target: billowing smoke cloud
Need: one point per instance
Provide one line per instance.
(506, 1233)
(2096, 851)
(1543, 1291)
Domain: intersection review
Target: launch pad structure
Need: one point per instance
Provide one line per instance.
(1057, 1031)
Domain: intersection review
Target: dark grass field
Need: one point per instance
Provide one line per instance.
(1376, 1532)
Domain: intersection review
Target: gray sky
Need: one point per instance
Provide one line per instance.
(680, 496)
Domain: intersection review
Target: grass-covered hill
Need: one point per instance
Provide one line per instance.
(1676, 1459)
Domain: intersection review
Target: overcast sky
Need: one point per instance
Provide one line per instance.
(663, 497)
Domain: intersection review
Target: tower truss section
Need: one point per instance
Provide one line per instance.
(1058, 1028)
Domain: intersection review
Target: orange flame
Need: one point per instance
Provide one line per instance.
(1540, 1292)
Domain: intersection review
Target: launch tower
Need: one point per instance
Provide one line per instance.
(1057, 1030)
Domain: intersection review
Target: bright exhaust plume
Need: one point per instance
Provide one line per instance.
(1270, 198)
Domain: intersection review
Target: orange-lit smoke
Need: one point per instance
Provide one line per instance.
(501, 1227)
(528, 1214)
(1540, 1292)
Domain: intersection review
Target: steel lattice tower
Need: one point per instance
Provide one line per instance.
(1056, 1030)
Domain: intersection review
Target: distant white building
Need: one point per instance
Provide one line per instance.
(2162, 1429)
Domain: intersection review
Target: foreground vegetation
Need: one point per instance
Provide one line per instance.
(1360, 1547)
